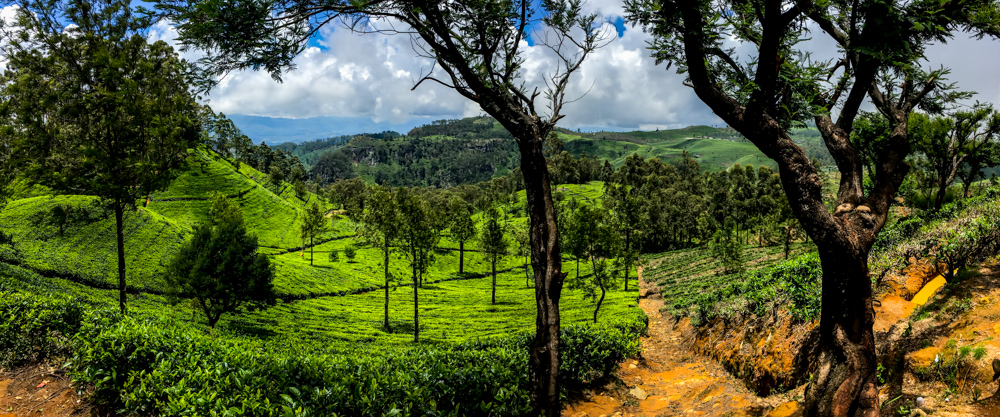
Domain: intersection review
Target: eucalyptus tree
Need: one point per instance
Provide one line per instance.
(463, 228)
(950, 141)
(493, 242)
(478, 48)
(599, 244)
(417, 238)
(625, 206)
(93, 108)
(770, 84)
(380, 227)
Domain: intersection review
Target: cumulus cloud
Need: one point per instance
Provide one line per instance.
(619, 87)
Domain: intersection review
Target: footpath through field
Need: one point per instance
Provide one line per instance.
(670, 380)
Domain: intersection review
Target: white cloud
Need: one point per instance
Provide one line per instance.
(371, 76)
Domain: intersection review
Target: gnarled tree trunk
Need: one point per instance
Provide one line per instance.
(546, 262)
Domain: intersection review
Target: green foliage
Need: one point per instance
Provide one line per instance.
(954, 366)
(220, 267)
(350, 252)
(726, 248)
(153, 367)
(36, 329)
(314, 223)
(95, 110)
(276, 177)
(334, 255)
(690, 280)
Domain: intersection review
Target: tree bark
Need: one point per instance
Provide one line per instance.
(461, 256)
(385, 250)
(120, 232)
(546, 263)
(416, 309)
(845, 380)
(312, 250)
(493, 263)
(628, 253)
(598, 307)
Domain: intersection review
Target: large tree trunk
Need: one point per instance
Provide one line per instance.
(120, 232)
(845, 379)
(547, 265)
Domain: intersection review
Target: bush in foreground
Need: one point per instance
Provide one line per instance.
(138, 366)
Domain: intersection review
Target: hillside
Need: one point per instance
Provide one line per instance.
(334, 297)
(468, 151)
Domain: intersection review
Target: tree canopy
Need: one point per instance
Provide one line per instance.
(94, 109)
(220, 268)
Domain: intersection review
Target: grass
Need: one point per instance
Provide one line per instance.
(337, 302)
(715, 149)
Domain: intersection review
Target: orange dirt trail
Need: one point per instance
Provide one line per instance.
(673, 380)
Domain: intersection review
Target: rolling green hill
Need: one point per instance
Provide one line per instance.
(472, 150)
(330, 300)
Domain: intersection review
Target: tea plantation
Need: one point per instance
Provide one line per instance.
(57, 277)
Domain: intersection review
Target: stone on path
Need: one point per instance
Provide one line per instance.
(638, 393)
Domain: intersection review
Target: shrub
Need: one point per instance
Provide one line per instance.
(36, 328)
(152, 367)
(350, 252)
(334, 255)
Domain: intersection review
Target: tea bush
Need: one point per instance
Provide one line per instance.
(34, 329)
(155, 366)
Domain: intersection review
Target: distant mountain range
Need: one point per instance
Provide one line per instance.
(273, 130)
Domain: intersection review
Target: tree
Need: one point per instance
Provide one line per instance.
(220, 267)
(478, 49)
(380, 224)
(94, 109)
(493, 243)
(599, 243)
(314, 223)
(350, 252)
(522, 245)
(777, 86)
(276, 177)
(417, 237)
(949, 142)
(625, 210)
(463, 229)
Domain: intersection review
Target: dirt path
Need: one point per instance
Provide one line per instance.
(669, 380)
(39, 390)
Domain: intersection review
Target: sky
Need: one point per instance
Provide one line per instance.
(347, 81)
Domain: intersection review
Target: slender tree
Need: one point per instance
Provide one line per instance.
(625, 210)
(314, 223)
(93, 109)
(599, 244)
(380, 227)
(779, 86)
(479, 49)
(463, 229)
(493, 242)
(417, 238)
